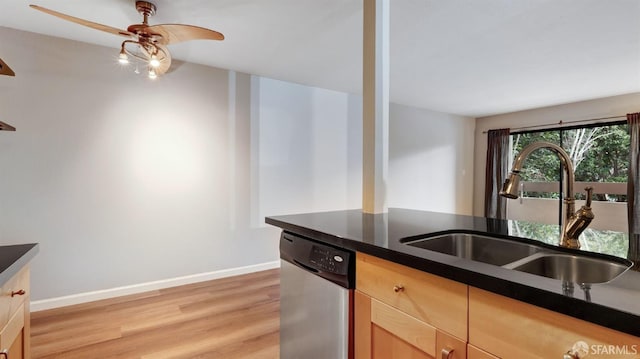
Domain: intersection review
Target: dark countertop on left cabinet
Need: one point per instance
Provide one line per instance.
(15, 257)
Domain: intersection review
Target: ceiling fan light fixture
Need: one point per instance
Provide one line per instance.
(123, 58)
(153, 61)
(152, 73)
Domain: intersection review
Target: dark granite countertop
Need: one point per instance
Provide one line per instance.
(13, 258)
(615, 304)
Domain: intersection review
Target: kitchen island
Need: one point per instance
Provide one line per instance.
(612, 305)
(14, 300)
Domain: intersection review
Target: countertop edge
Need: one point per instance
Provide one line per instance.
(591, 312)
(7, 273)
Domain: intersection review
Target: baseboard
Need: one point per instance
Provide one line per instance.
(80, 298)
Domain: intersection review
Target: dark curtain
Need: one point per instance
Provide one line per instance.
(633, 187)
(497, 162)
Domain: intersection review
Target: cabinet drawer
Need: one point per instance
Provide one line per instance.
(439, 302)
(508, 328)
(8, 303)
(13, 329)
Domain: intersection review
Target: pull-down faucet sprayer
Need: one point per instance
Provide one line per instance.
(574, 223)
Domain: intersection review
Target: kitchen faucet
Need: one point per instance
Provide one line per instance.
(574, 223)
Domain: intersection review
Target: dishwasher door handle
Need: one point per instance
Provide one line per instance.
(306, 267)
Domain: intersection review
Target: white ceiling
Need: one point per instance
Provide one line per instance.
(469, 57)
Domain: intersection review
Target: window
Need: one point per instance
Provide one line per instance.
(600, 156)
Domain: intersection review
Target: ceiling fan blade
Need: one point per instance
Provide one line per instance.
(93, 25)
(5, 69)
(6, 127)
(174, 33)
(165, 61)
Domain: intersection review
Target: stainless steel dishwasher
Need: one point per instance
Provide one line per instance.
(316, 299)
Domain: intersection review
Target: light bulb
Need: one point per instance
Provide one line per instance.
(123, 58)
(154, 62)
(152, 74)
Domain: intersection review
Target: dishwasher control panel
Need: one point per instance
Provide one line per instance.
(327, 259)
(334, 264)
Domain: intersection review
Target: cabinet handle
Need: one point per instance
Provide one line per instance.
(398, 288)
(447, 353)
(4, 354)
(17, 292)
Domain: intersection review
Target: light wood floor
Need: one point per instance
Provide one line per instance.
(235, 317)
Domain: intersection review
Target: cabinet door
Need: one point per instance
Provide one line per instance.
(16, 349)
(512, 329)
(15, 316)
(12, 335)
(382, 332)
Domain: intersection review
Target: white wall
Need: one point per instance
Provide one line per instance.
(605, 107)
(120, 179)
(310, 154)
(125, 181)
(430, 160)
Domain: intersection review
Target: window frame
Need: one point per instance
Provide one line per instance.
(539, 186)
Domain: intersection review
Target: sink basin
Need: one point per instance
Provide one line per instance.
(572, 268)
(525, 257)
(478, 248)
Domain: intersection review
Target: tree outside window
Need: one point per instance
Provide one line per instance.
(600, 156)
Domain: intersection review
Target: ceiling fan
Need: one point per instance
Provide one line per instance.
(5, 69)
(146, 43)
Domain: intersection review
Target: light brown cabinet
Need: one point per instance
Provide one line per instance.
(508, 328)
(401, 312)
(476, 353)
(15, 316)
(404, 313)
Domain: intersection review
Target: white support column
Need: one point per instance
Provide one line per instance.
(375, 91)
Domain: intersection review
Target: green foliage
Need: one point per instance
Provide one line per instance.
(541, 165)
(608, 159)
(606, 242)
(599, 154)
(546, 233)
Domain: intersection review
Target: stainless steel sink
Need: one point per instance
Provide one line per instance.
(525, 257)
(478, 248)
(572, 268)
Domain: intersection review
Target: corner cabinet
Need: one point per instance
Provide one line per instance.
(405, 313)
(15, 317)
(401, 312)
